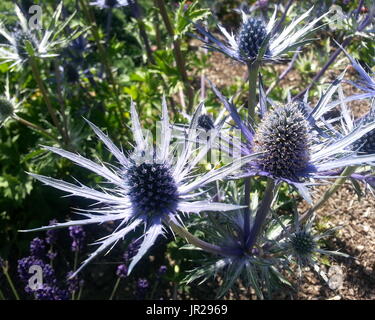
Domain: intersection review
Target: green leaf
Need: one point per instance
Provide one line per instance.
(186, 16)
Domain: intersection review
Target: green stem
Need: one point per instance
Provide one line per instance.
(80, 293)
(115, 288)
(179, 58)
(262, 213)
(46, 97)
(252, 102)
(74, 268)
(252, 98)
(104, 57)
(10, 282)
(335, 186)
(60, 98)
(143, 33)
(208, 247)
(2, 297)
(35, 127)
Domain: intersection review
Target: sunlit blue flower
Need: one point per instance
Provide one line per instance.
(26, 42)
(9, 105)
(107, 4)
(255, 266)
(364, 145)
(366, 82)
(256, 39)
(150, 185)
(301, 244)
(297, 144)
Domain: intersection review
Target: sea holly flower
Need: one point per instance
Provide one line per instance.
(258, 40)
(365, 145)
(9, 105)
(296, 144)
(282, 242)
(25, 42)
(255, 266)
(365, 83)
(109, 4)
(151, 187)
(6, 110)
(302, 245)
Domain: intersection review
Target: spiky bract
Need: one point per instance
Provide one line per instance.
(366, 144)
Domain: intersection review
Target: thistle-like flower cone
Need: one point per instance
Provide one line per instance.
(152, 186)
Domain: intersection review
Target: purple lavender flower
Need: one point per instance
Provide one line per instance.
(51, 293)
(78, 236)
(51, 237)
(142, 286)
(23, 269)
(122, 271)
(38, 248)
(51, 255)
(132, 250)
(262, 4)
(74, 283)
(162, 270)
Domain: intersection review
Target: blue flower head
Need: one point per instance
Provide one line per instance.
(24, 42)
(150, 186)
(296, 144)
(259, 40)
(109, 4)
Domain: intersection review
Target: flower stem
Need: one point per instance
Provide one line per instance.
(261, 214)
(46, 98)
(115, 288)
(80, 292)
(108, 25)
(60, 98)
(103, 56)
(35, 127)
(142, 31)
(179, 58)
(335, 186)
(10, 282)
(75, 268)
(252, 99)
(252, 102)
(208, 247)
